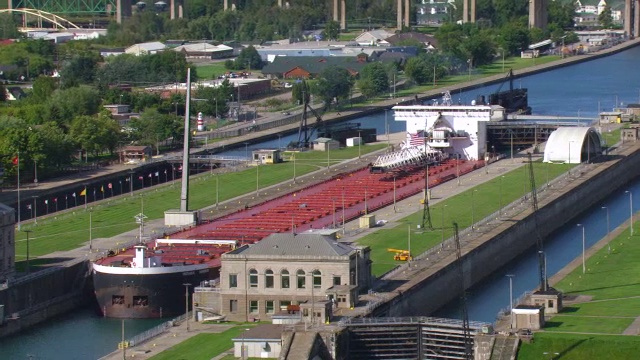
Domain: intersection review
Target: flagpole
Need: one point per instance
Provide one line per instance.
(85, 197)
(18, 190)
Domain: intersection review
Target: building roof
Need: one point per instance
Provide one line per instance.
(202, 47)
(423, 38)
(373, 35)
(312, 64)
(263, 332)
(322, 140)
(565, 144)
(147, 47)
(288, 244)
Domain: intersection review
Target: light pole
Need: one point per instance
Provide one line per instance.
(246, 151)
(473, 210)
(90, 230)
(630, 211)
(608, 229)
(500, 211)
(584, 268)
(334, 212)
(294, 167)
(242, 350)
(442, 224)
(35, 172)
(469, 61)
(28, 232)
(258, 179)
(217, 192)
(394, 194)
(569, 160)
(511, 276)
(359, 142)
(186, 303)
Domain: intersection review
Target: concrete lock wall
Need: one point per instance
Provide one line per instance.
(436, 291)
(51, 293)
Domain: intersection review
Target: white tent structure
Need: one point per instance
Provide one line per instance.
(573, 145)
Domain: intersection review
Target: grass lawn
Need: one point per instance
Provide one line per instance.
(211, 71)
(573, 323)
(576, 347)
(203, 346)
(486, 199)
(70, 230)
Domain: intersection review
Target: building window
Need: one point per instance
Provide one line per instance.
(268, 279)
(284, 304)
(284, 279)
(301, 281)
(233, 280)
(253, 306)
(233, 306)
(337, 280)
(270, 307)
(253, 278)
(317, 279)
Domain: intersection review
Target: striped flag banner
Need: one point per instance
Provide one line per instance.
(416, 139)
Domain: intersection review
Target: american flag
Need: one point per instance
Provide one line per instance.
(416, 139)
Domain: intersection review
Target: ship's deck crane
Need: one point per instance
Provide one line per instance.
(305, 131)
(544, 285)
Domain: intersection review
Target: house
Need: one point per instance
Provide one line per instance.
(205, 51)
(311, 66)
(373, 38)
(428, 41)
(145, 48)
(309, 272)
(266, 156)
(14, 93)
(325, 144)
(135, 154)
(263, 341)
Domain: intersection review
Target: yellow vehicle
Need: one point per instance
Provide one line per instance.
(401, 255)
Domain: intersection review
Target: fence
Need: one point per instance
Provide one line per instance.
(155, 331)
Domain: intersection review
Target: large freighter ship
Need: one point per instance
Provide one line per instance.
(148, 280)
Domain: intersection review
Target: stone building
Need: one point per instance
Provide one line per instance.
(7, 243)
(285, 270)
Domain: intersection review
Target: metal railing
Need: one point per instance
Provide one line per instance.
(157, 330)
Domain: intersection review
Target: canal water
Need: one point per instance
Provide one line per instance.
(579, 90)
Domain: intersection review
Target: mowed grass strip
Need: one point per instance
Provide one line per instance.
(576, 347)
(203, 346)
(70, 230)
(211, 71)
(477, 202)
(572, 323)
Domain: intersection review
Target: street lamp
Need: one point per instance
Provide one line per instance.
(246, 151)
(442, 223)
(511, 276)
(500, 211)
(584, 268)
(186, 303)
(28, 232)
(608, 230)
(242, 350)
(630, 211)
(473, 210)
(395, 209)
(334, 211)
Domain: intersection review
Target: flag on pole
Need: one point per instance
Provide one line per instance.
(165, 171)
(416, 139)
(140, 177)
(102, 188)
(73, 194)
(110, 186)
(28, 206)
(16, 160)
(55, 199)
(157, 173)
(150, 174)
(83, 192)
(46, 202)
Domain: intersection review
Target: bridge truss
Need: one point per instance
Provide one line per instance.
(76, 7)
(42, 17)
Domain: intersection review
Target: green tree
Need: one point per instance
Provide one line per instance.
(562, 14)
(67, 104)
(331, 30)
(43, 88)
(152, 127)
(514, 37)
(300, 91)
(80, 69)
(507, 10)
(249, 59)
(417, 70)
(333, 83)
(96, 134)
(604, 19)
(373, 79)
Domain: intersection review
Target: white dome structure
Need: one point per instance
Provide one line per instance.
(572, 145)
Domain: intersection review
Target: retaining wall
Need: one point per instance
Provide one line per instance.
(512, 238)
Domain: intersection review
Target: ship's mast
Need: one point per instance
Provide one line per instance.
(184, 195)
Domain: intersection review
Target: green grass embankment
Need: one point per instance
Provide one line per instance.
(203, 346)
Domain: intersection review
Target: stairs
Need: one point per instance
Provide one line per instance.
(505, 348)
(301, 346)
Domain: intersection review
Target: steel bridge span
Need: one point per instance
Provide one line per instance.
(65, 7)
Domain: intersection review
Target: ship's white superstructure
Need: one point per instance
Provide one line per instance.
(457, 131)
